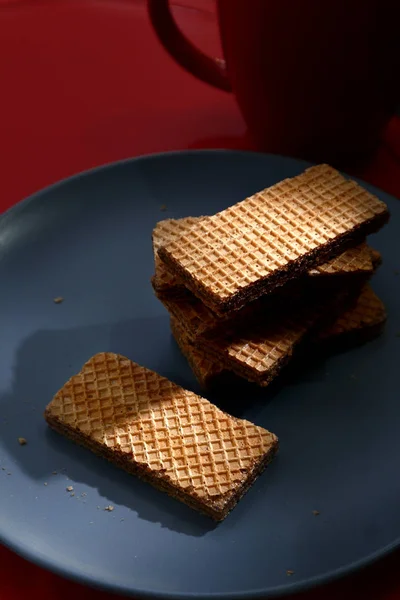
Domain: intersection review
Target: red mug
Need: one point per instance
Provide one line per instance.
(316, 79)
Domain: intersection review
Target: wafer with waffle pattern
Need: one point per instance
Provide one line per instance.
(355, 262)
(260, 346)
(360, 323)
(177, 441)
(350, 262)
(256, 245)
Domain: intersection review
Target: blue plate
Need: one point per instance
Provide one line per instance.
(88, 239)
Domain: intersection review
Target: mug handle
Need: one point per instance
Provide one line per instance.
(209, 70)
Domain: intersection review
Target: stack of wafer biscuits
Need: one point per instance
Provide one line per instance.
(272, 276)
(247, 289)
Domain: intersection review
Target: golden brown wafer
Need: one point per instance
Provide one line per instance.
(200, 320)
(376, 258)
(257, 348)
(260, 352)
(172, 438)
(196, 319)
(358, 324)
(249, 249)
(164, 232)
(350, 262)
(205, 368)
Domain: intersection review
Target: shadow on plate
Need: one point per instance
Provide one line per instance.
(43, 363)
(48, 358)
(121, 489)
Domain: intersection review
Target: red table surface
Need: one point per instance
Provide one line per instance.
(85, 82)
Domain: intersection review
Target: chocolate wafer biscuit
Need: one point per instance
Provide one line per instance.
(206, 369)
(258, 347)
(351, 262)
(177, 441)
(200, 320)
(196, 318)
(259, 352)
(376, 258)
(163, 233)
(249, 249)
(357, 325)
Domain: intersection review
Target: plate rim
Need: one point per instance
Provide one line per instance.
(28, 552)
(280, 591)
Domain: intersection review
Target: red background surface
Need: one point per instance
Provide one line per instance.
(85, 82)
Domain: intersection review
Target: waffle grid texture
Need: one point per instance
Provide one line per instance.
(177, 440)
(259, 348)
(281, 232)
(368, 312)
(362, 321)
(198, 318)
(205, 368)
(163, 233)
(351, 261)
